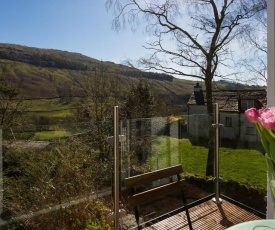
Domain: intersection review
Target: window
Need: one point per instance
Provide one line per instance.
(228, 121)
(250, 130)
(247, 104)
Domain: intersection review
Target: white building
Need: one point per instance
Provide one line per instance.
(232, 104)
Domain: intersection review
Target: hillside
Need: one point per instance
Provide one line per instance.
(48, 73)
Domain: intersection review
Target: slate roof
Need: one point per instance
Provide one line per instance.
(228, 99)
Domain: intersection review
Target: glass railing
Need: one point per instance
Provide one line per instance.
(57, 176)
(161, 142)
(61, 176)
(242, 161)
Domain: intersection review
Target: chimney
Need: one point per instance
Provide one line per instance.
(198, 94)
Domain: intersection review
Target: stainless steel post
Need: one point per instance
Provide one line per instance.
(116, 168)
(217, 126)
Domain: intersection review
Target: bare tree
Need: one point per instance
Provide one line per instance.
(101, 92)
(191, 38)
(11, 102)
(256, 40)
(11, 105)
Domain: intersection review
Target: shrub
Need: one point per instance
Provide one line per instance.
(65, 171)
(88, 215)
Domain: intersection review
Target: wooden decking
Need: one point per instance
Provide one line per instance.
(207, 216)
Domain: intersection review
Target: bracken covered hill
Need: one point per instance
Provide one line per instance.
(49, 73)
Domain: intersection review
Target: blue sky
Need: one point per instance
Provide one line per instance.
(82, 26)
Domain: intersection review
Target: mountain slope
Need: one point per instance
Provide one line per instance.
(48, 73)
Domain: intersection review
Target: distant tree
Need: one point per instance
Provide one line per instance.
(256, 39)
(101, 93)
(192, 36)
(11, 105)
(149, 75)
(11, 102)
(138, 107)
(139, 101)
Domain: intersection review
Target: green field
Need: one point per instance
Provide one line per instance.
(44, 104)
(55, 113)
(48, 135)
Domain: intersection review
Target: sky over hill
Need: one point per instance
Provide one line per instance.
(83, 26)
(77, 26)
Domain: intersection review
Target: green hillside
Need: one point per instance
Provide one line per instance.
(48, 73)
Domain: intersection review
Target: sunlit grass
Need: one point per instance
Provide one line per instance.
(48, 135)
(171, 151)
(51, 104)
(56, 113)
(242, 165)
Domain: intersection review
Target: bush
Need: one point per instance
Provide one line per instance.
(88, 215)
(65, 171)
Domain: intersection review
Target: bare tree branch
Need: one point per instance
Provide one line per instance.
(190, 36)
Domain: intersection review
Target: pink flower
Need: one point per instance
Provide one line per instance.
(267, 118)
(252, 115)
(264, 120)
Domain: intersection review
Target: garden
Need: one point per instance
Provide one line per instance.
(68, 183)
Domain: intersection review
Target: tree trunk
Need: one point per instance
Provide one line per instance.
(211, 131)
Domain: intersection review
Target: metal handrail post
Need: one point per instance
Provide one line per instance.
(114, 140)
(116, 168)
(217, 126)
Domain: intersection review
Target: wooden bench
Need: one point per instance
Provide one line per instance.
(173, 183)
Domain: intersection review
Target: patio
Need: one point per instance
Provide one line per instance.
(204, 212)
(209, 215)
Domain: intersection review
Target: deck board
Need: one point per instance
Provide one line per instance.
(207, 215)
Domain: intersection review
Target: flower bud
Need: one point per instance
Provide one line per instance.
(252, 115)
(267, 118)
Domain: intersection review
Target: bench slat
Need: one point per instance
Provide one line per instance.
(155, 193)
(139, 198)
(152, 176)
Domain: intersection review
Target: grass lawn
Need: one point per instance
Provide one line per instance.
(56, 113)
(242, 165)
(48, 135)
